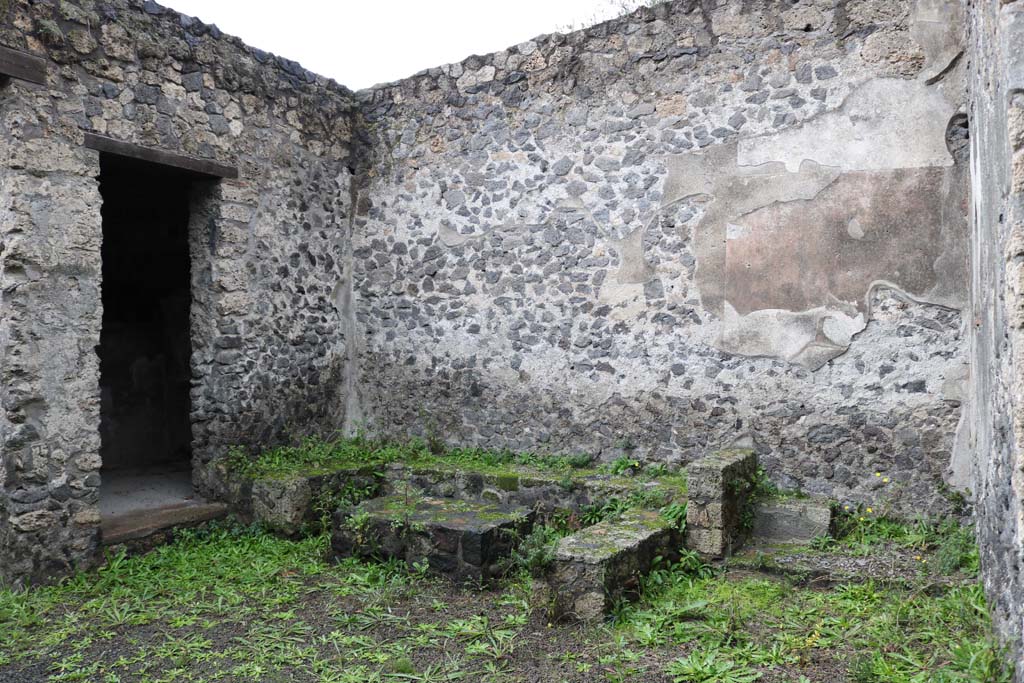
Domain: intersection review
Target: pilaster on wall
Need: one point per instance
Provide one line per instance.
(50, 325)
(997, 406)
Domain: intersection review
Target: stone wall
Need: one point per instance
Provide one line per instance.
(269, 251)
(997, 437)
(699, 225)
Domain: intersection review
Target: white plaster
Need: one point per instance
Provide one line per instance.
(808, 338)
(854, 229)
(735, 232)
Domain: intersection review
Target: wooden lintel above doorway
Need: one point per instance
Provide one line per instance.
(23, 66)
(203, 167)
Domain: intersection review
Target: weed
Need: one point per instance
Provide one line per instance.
(623, 465)
(579, 460)
(956, 548)
(656, 470)
(328, 500)
(536, 552)
(709, 667)
(676, 514)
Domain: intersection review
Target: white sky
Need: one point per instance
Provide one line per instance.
(363, 42)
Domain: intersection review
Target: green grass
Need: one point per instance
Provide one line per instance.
(740, 630)
(860, 532)
(229, 603)
(315, 455)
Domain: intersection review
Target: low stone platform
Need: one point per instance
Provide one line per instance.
(289, 504)
(597, 565)
(470, 542)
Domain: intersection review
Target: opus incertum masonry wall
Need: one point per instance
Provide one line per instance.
(697, 225)
(268, 250)
(705, 224)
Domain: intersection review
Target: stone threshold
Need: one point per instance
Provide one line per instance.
(140, 524)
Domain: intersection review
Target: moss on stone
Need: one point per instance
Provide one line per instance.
(50, 33)
(347, 457)
(508, 482)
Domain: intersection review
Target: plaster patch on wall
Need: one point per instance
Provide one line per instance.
(936, 26)
(633, 267)
(799, 255)
(731, 192)
(809, 338)
(886, 123)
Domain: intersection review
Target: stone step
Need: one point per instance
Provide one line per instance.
(720, 485)
(791, 521)
(470, 542)
(600, 564)
(886, 565)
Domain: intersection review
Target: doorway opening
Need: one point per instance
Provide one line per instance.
(145, 347)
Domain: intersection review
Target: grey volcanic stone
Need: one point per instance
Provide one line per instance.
(791, 521)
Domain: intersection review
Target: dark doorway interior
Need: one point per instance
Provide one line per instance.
(144, 344)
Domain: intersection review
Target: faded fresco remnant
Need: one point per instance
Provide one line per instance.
(801, 226)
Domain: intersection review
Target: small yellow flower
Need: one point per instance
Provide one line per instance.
(917, 557)
(885, 480)
(870, 511)
(846, 507)
(862, 519)
(878, 474)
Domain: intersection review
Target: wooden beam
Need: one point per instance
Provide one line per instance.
(205, 167)
(23, 66)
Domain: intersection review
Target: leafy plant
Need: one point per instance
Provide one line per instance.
(691, 563)
(623, 465)
(655, 470)
(536, 551)
(579, 460)
(956, 548)
(599, 512)
(329, 500)
(709, 666)
(676, 514)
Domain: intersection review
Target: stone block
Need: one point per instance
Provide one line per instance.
(287, 505)
(597, 565)
(282, 504)
(710, 542)
(713, 515)
(711, 478)
(469, 542)
(791, 521)
(719, 488)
